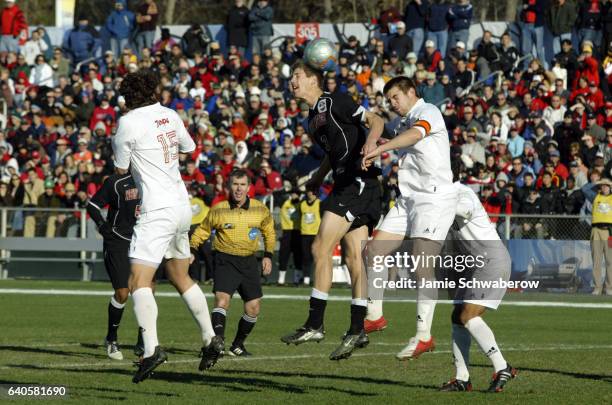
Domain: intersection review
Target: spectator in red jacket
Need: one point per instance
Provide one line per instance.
(432, 56)
(13, 25)
(101, 112)
(595, 97)
(193, 174)
(560, 169)
(587, 66)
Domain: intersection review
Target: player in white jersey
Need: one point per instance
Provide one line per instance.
(478, 237)
(148, 142)
(426, 209)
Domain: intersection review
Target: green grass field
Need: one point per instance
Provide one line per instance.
(563, 354)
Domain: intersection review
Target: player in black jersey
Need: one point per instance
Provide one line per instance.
(120, 193)
(351, 211)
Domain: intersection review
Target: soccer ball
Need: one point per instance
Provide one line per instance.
(321, 54)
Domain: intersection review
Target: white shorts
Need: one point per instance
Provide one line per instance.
(161, 233)
(497, 268)
(426, 216)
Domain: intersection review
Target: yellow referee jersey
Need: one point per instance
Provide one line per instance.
(290, 215)
(602, 210)
(237, 230)
(311, 217)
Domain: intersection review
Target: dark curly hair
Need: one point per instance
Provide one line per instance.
(140, 88)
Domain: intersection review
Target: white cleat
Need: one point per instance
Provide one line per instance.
(112, 351)
(415, 348)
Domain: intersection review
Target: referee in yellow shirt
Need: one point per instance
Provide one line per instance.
(238, 225)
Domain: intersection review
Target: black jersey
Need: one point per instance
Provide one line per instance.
(336, 124)
(120, 193)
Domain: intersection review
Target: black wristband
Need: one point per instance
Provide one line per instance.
(269, 255)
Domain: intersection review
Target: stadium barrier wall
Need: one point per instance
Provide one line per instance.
(540, 245)
(362, 31)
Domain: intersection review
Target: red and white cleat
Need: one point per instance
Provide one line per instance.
(415, 348)
(374, 326)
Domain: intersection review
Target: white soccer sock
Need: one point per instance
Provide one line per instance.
(486, 340)
(116, 303)
(145, 309)
(319, 294)
(196, 302)
(461, 351)
(281, 276)
(375, 310)
(426, 305)
(306, 280)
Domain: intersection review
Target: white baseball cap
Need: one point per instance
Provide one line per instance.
(460, 44)
(400, 24)
(429, 44)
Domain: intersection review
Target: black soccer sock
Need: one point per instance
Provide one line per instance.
(318, 302)
(218, 321)
(139, 341)
(358, 314)
(245, 326)
(115, 312)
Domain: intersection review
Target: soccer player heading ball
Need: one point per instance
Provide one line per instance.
(148, 141)
(336, 123)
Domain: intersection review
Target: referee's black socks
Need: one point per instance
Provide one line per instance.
(245, 326)
(218, 321)
(115, 312)
(318, 302)
(359, 309)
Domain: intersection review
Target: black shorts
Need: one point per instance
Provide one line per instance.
(238, 273)
(117, 263)
(359, 202)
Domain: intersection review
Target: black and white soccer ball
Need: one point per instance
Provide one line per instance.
(321, 54)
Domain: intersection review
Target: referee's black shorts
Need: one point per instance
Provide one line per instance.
(117, 262)
(237, 273)
(359, 202)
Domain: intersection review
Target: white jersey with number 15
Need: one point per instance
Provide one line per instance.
(150, 139)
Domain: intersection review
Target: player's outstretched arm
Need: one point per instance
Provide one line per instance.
(376, 126)
(403, 140)
(202, 232)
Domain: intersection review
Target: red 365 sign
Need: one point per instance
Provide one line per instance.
(306, 32)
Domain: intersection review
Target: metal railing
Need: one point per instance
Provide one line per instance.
(88, 244)
(479, 83)
(32, 244)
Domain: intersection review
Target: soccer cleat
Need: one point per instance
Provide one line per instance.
(239, 351)
(303, 335)
(148, 364)
(415, 348)
(455, 385)
(349, 344)
(112, 350)
(501, 378)
(211, 353)
(374, 326)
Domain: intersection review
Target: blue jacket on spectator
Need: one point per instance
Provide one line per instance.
(261, 20)
(81, 42)
(438, 17)
(120, 23)
(415, 15)
(460, 16)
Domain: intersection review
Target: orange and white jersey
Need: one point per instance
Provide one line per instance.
(149, 140)
(425, 167)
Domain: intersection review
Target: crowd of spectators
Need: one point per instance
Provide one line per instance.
(532, 140)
